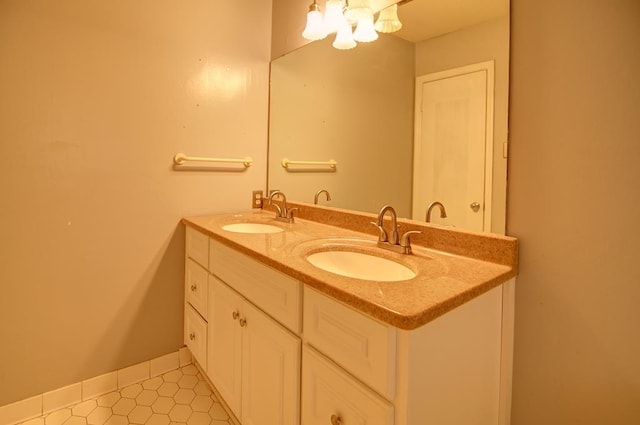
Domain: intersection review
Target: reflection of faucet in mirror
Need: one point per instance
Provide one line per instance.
(395, 243)
(443, 212)
(320, 192)
(283, 213)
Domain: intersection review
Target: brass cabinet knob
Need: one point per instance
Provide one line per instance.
(235, 315)
(192, 336)
(243, 322)
(336, 420)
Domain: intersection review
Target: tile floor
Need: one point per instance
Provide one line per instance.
(179, 397)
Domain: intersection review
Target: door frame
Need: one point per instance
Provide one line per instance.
(489, 67)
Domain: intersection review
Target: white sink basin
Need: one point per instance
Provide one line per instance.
(252, 228)
(360, 266)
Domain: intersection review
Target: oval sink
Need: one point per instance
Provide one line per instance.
(252, 228)
(360, 266)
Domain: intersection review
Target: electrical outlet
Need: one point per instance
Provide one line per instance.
(256, 199)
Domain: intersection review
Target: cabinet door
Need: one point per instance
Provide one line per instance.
(225, 342)
(195, 335)
(270, 371)
(331, 396)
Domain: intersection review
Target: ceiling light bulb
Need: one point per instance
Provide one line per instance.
(344, 38)
(365, 31)
(333, 16)
(315, 29)
(388, 20)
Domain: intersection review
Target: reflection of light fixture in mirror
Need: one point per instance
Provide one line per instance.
(357, 10)
(388, 20)
(315, 29)
(333, 16)
(344, 38)
(341, 15)
(365, 31)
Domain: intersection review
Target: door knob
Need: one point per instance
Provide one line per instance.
(475, 206)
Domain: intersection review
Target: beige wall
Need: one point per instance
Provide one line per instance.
(574, 203)
(95, 99)
(483, 42)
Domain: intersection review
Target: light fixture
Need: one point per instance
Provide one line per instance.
(315, 29)
(341, 15)
(333, 16)
(388, 20)
(365, 30)
(344, 38)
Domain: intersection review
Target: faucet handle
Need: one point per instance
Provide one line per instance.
(290, 213)
(383, 234)
(405, 239)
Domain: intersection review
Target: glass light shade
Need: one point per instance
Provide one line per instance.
(333, 16)
(388, 20)
(344, 38)
(365, 31)
(315, 29)
(357, 10)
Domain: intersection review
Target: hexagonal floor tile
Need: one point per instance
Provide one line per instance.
(147, 397)
(131, 391)
(199, 418)
(168, 389)
(188, 381)
(184, 396)
(163, 405)
(83, 409)
(180, 413)
(202, 403)
(99, 415)
(124, 406)
(153, 383)
(172, 376)
(140, 414)
(109, 399)
(158, 419)
(117, 420)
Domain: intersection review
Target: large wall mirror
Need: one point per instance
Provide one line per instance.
(375, 109)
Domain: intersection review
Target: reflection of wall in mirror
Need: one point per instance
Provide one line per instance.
(485, 41)
(355, 107)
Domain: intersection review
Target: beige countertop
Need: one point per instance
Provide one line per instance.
(463, 266)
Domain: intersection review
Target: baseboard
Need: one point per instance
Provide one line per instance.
(40, 404)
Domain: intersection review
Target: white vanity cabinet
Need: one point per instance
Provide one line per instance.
(253, 361)
(250, 315)
(281, 353)
(196, 276)
(447, 372)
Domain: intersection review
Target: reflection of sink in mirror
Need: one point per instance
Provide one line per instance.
(251, 228)
(360, 266)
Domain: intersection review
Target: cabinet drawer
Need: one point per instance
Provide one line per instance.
(196, 286)
(195, 335)
(328, 391)
(277, 294)
(363, 346)
(197, 246)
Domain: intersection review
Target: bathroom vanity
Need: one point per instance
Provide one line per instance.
(286, 342)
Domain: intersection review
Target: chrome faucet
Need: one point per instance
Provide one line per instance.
(393, 242)
(443, 212)
(320, 192)
(283, 213)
